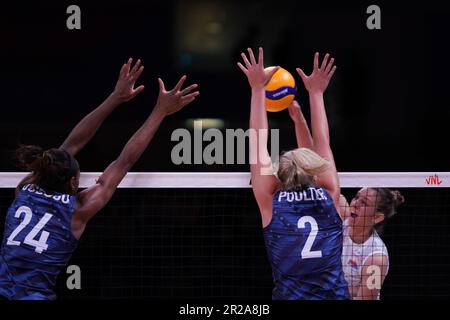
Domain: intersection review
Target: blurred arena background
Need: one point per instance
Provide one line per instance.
(387, 106)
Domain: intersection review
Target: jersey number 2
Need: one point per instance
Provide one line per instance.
(41, 244)
(306, 252)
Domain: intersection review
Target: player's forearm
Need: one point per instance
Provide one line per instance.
(140, 140)
(88, 126)
(366, 294)
(258, 114)
(302, 134)
(259, 131)
(319, 121)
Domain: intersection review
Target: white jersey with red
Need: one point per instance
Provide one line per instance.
(354, 256)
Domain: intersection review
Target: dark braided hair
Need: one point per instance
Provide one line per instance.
(387, 203)
(52, 169)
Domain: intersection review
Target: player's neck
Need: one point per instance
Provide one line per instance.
(360, 235)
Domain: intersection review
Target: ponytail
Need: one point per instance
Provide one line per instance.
(52, 169)
(28, 156)
(387, 203)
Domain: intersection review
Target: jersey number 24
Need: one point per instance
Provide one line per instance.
(40, 244)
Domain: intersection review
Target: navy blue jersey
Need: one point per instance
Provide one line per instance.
(304, 245)
(37, 243)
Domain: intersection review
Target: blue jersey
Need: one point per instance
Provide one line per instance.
(304, 245)
(37, 243)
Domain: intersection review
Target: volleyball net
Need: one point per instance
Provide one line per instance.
(198, 235)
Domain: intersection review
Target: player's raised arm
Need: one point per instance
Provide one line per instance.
(374, 268)
(95, 198)
(263, 182)
(124, 91)
(302, 133)
(316, 84)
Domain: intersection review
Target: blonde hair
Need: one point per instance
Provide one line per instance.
(299, 167)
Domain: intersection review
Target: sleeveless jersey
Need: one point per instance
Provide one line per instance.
(37, 243)
(354, 256)
(304, 245)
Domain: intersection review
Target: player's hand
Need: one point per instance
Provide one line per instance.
(295, 112)
(171, 101)
(124, 89)
(256, 75)
(318, 81)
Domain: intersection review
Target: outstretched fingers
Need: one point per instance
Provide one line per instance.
(294, 104)
(261, 57)
(252, 56)
(122, 72)
(325, 61)
(161, 85)
(294, 109)
(185, 100)
(191, 95)
(316, 61)
(242, 67)
(332, 72)
(135, 67)
(301, 74)
(137, 74)
(329, 66)
(180, 83)
(188, 89)
(128, 66)
(272, 72)
(247, 63)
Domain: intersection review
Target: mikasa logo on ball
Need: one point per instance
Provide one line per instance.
(283, 92)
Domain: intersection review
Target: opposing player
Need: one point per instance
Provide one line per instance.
(48, 216)
(302, 226)
(365, 258)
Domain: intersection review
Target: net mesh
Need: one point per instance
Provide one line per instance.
(208, 243)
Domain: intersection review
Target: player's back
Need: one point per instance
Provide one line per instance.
(304, 245)
(37, 243)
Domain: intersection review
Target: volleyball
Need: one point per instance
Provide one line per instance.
(280, 91)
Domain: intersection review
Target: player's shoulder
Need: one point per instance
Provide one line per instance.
(377, 259)
(378, 242)
(375, 247)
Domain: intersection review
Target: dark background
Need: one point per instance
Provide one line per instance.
(387, 106)
(387, 103)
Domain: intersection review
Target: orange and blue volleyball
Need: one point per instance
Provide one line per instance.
(280, 91)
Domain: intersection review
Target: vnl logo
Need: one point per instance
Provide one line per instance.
(433, 180)
(232, 143)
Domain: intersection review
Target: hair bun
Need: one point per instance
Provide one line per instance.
(27, 155)
(47, 159)
(397, 198)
